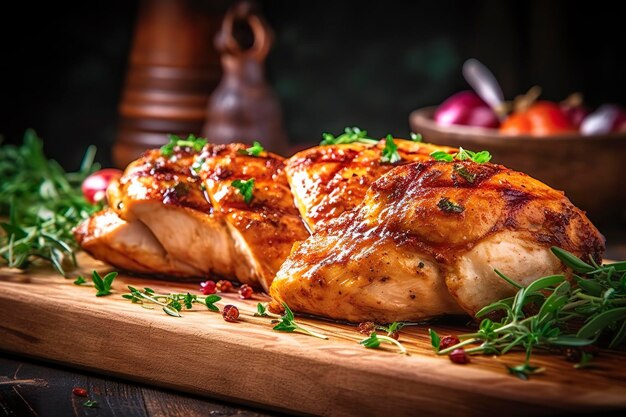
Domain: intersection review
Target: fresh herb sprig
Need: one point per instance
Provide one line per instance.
(254, 150)
(43, 204)
(287, 323)
(462, 155)
(245, 188)
(102, 284)
(171, 303)
(448, 206)
(416, 137)
(598, 301)
(374, 340)
(175, 141)
(390, 153)
(349, 135)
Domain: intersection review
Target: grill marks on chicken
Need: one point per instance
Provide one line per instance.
(328, 180)
(263, 230)
(189, 215)
(425, 240)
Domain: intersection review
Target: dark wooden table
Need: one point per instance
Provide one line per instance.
(51, 395)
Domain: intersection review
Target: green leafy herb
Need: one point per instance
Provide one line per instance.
(287, 323)
(390, 153)
(80, 280)
(246, 189)
(91, 404)
(435, 340)
(463, 155)
(464, 173)
(192, 142)
(103, 285)
(43, 204)
(416, 137)
(349, 135)
(254, 150)
(448, 206)
(197, 165)
(391, 328)
(261, 311)
(172, 303)
(374, 340)
(598, 302)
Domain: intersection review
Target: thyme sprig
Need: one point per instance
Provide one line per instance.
(43, 204)
(171, 303)
(287, 323)
(598, 301)
(374, 340)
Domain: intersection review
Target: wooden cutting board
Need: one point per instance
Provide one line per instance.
(45, 316)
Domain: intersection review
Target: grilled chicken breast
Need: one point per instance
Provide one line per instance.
(180, 215)
(328, 180)
(263, 229)
(425, 241)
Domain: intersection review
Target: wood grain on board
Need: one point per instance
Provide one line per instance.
(45, 316)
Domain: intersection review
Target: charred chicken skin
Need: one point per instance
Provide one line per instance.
(425, 241)
(328, 180)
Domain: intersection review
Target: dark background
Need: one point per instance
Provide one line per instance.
(334, 63)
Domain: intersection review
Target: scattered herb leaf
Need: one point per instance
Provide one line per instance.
(91, 404)
(349, 135)
(464, 173)
(390, 153)
(374, 340)
(103, 285)
(435, 340)
(448, 206)
(463, 155)
(524, 370)
(246, 189)
(287, 323)
(416, 137)
(175, 141)
(254, 150)
(261, 310)
(80, 280)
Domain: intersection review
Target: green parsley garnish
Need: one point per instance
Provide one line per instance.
(287, 323)
(80, 280)
(254, 150)
(172, 303)
(192, 142)
(197, 165)
(463, 155)
(390, 153)
(374, 340)
(246, 189)
(448, 206)
(349, 135)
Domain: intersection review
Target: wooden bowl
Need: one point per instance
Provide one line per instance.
(591, 170)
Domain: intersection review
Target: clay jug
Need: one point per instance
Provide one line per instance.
(243, 107)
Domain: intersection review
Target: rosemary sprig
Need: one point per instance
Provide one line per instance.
(43, 204)
(598, 301)
(287, 323)
(171, 303)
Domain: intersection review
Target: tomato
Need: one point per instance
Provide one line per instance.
(94, 186)
(541, 119)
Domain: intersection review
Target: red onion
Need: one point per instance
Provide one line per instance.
(466, 108)
(606, 119)
(94, 186)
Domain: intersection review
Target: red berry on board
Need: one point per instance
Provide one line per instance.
(394, 335)
(459, 356)
(224, 286)
(245, 291)
(208, 287)
(366, 328)
(448, 341)
(81, 392)
(230, 313)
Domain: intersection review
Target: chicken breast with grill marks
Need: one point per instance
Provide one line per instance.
(425, 242)
(328, 180)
